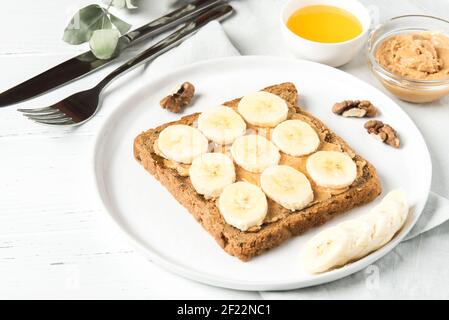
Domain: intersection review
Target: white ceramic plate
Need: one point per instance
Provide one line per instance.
(168, 234)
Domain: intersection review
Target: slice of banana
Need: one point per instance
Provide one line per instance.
(326, 250)
(221, 124)
(359, 231)
(210, 173)
(243, 205)
(399, 197)
(331, 169)
(354, 239)
(287, 186)
(388, 218)
(295, 137)
(182, 143)
(254, 153)
(263, 109)
(381, 231)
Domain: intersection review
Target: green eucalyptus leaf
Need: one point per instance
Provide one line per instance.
(121, 25)
(103, 23)
(103, 43)
(84, 23)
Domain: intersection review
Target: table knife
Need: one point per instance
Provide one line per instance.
(86, 62)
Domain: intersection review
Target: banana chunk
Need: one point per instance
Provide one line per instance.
(328, 249)
(354, 239)
(398, 197)
(295, 137)
(243, 205)
(331, 169)
(287, 186)
(221, 124)
(359, 231)
(263, 109)
(254, 153)
(210, 173)
(387, 218)
(382, 231)
(182, 143)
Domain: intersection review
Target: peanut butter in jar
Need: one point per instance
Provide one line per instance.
(419, 64)
(417, 56)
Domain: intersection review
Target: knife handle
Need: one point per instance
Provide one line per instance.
(170, 20)
(170, 41)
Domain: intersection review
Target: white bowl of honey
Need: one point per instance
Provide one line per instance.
(325, 31)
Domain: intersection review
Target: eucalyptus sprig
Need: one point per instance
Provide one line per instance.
(96, 25)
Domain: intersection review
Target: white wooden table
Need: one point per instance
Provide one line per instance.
(54, 240)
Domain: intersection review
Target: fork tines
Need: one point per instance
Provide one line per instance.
(47, 115)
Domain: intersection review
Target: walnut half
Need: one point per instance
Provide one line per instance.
(355, 108)
(180, 98)
(383, 132)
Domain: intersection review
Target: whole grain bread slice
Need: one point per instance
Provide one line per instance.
(246, 245)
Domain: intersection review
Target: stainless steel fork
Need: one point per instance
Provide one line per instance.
(80, 107)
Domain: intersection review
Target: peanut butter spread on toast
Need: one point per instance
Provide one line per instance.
(275, 210)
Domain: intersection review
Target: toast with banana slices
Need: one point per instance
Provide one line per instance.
(257, 170)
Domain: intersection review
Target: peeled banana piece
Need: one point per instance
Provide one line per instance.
(328, 249)
(210, 173)
(263, 109)
(182, 143)
(243, 205)
(331, 169)
(295, 137)
(221, 124)
(354, 239)
(254, 153)
(287, 186)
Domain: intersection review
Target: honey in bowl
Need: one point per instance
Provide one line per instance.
(321, 23)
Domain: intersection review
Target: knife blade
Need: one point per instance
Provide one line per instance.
(85, 63)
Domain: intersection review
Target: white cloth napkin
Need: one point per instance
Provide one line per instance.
(208, 43)
(435, 213)
(389, 277)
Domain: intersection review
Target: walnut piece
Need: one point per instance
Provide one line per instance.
(383, 132)
(355, 108)
(180, 98)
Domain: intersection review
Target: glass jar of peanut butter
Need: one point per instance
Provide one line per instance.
(410, 57)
